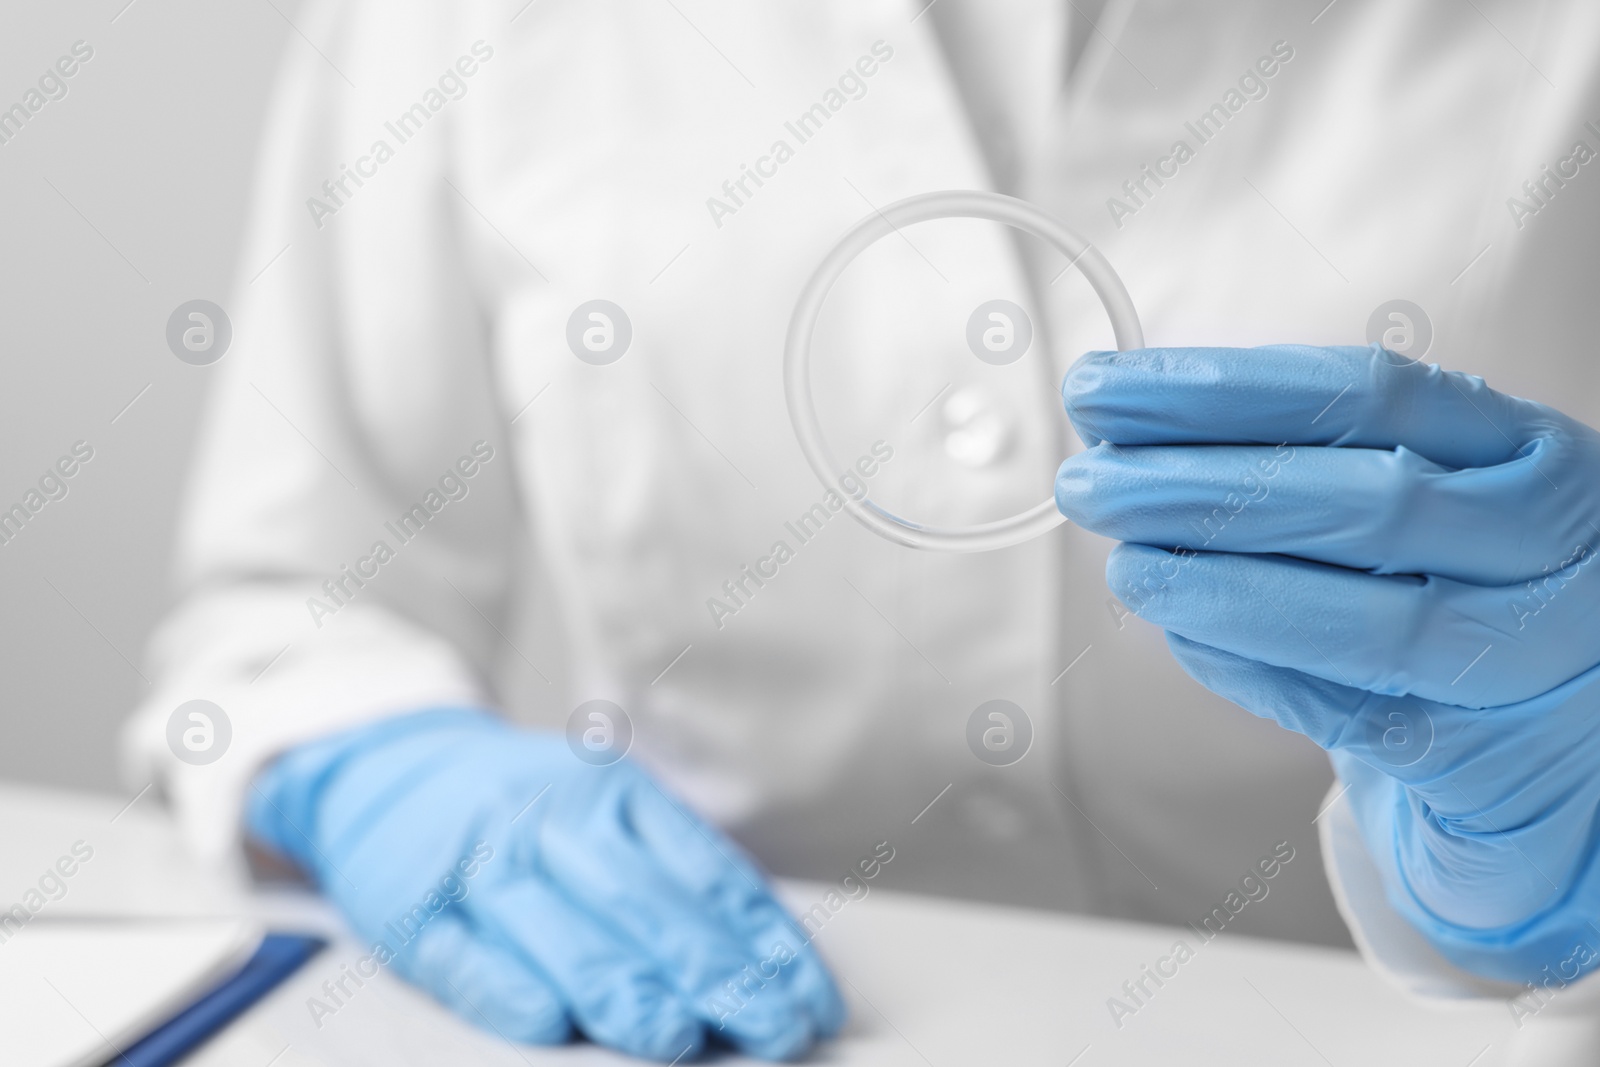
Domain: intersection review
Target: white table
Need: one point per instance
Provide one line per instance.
(930, 981)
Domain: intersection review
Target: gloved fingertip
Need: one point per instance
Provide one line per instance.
(1075, 489)
(501, 999)
(643, 1020)
(536, 1022)
(1090, 362)
(775, 1023)
(813, 986)
(789, 1042)
(673, 1039)
(1078, 387)
(831, 1012)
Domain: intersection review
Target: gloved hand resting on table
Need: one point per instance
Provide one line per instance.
(535, 894)
(1395, 561)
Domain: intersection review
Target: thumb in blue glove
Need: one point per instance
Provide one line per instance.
(1395, 561)
(537, 895)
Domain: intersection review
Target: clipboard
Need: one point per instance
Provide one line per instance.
(278, 956)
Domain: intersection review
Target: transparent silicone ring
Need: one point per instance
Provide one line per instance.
(955, 204)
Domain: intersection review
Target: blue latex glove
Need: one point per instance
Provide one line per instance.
(536, 894)
(1395, 561)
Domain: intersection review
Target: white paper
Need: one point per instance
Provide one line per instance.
(76, 993)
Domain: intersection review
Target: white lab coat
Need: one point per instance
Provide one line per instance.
(428, 312)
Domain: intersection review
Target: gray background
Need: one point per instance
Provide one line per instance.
(150, 155)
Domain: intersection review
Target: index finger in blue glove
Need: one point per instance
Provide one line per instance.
(1389, 512)
(1399, 634)
(714, 870)
(483, 982)
(589, 849)
(1345, 396)
(615, 992)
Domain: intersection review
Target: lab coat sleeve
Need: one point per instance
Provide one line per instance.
(357, 388)
(1399, 953)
